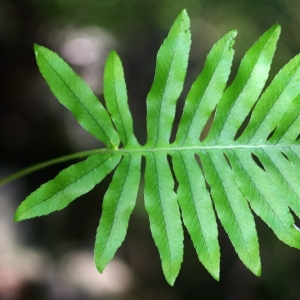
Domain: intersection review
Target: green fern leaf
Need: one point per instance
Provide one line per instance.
(76, 96)
(171, 65)
(162, 207)
(197, 211)
(116, 99)
(68, 185)
(206, 91)
(232, 208)
(248, 161)
(240, 97)
(118, 205)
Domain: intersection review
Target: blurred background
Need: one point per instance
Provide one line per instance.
(51, 257)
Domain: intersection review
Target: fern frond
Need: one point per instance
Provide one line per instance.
(248, 162)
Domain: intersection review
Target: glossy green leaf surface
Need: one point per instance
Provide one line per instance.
(246, 163)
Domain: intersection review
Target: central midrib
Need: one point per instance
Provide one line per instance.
(205, 147)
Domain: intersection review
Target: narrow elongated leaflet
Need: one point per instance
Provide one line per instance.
(281, 173)
(162, 207)
(265, 201)
(288, 126)
(68, 185)
(239, 98)
(118, 205)
(232, 208)
(274, 102)
(293, 156)
(197, 210)
(171, 65)
(72, 92)
(114, 88)
(206, 91)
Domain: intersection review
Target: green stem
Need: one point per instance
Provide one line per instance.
(51, 162)
(141, 150)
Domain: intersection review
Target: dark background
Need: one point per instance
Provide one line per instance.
(52, 257)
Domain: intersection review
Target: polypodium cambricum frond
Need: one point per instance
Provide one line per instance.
(234, 170)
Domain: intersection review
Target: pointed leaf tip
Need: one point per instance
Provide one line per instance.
(184, 12)
(36, 48)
